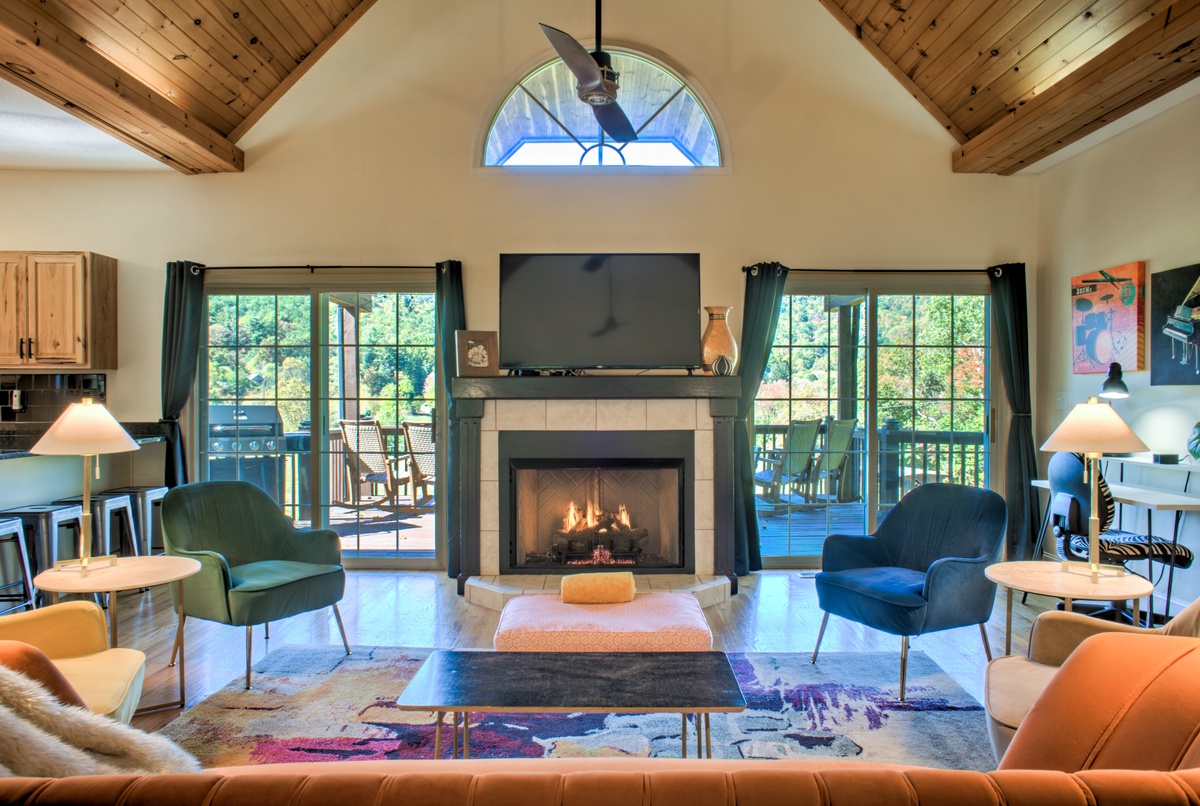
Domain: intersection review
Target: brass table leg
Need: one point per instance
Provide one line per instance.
(699, 743)
(708, 734)
(1008, 623)
(179, 648)
(466, 734)
(683, 733)
(437, 734)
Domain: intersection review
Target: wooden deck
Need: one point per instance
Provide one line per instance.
(793, 533)
(378, 533)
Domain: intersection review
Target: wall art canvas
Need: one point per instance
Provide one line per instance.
(1108, 319)
(1175, 327)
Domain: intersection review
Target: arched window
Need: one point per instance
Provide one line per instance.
(543, 122)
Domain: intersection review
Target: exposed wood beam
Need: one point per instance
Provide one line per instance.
(43, 56)
(874, 49)
(302, 68)
(1159, 55)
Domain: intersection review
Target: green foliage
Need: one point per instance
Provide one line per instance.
(1193, 443)
(380, 353)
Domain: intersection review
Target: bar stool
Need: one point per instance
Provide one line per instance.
(12, 531)
(42, 523)
(106, 507)
(147, 502)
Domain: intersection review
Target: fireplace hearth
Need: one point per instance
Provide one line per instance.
(596, 501)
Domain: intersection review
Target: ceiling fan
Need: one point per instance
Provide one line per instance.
(597, 85)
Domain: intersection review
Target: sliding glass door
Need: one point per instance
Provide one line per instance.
(326, 400)
(867, 394)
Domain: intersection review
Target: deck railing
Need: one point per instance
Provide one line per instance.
(907, 458)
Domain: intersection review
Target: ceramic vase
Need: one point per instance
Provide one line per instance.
(718, 342)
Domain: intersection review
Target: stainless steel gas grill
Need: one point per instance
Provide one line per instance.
(245, 441)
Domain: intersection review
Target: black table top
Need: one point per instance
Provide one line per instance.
(621, 682)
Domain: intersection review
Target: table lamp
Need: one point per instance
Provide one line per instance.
(85, 429)
(1094, 429)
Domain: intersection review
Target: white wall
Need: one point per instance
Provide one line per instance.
(1135, 197)
(369, 159)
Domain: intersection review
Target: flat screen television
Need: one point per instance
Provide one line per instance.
(594, 311)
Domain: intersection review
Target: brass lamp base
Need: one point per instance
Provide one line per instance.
(82, 566)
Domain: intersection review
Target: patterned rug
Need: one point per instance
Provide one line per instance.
(317, 704)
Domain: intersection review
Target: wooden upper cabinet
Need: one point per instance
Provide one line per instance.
(60, 310)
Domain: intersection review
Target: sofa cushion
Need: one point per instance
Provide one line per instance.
(33, 663)
(652, 622)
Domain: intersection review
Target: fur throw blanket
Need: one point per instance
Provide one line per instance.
(42, 738)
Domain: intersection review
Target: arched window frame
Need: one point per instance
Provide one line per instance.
(547, 57)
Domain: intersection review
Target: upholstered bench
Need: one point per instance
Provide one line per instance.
(652, 622)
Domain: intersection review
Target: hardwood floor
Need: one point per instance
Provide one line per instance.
(775, 611)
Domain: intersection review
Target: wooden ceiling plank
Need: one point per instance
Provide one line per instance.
(905, 81)
(920, 16)
(1023, 45)
(1060, 58)
(1147, 52)
(271, 42)
(1003, 43)
(968, 33)
(1071, 130)
(324, 13)
(93, 88)
(321, 49)
(935, 38)
(279, 18)
(224, 58)
(857, 10)
(311, 19)
(139, 51)
(884, 17)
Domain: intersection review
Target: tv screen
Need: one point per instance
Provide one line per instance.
(620, 311)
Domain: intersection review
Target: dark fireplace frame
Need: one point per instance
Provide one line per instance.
(519, 448)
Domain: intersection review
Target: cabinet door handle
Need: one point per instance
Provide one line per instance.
(21, 343)
(31, 348)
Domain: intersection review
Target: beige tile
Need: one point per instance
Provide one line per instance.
(704, 504)
(713, 593)
(489, 455)
(570, 415)
(641, 583)
(489, 505)
(488, 423)
(489, 552)
(620, 415)
(520, 415)
(483, 595)
(670, 415)
(704, 454)
(704, 420)
(704, 551)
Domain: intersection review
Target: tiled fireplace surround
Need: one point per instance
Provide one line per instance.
(706, 406)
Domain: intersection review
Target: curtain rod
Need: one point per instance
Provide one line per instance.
(883, 271)
(310, 268)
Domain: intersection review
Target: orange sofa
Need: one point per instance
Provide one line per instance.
(1118, 725)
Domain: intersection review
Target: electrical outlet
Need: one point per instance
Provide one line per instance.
(1060, 401)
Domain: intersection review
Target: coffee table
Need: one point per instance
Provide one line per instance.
(462, 681)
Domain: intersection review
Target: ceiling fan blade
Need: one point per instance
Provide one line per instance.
(612, 119)
(575, 57)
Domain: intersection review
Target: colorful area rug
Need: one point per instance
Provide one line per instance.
(317, 704)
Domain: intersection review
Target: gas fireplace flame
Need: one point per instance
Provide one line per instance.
(623, 517)
(578, 520)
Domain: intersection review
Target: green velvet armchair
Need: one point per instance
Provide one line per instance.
(255, 567)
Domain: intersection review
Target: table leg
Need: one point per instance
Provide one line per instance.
(1067, 606)
(1136, 615)
(708, 735)
(699, 743)
(437, 734)
(454, 745)
(683, 719)
(179, 648)
(1008, 622)
(466, 734)
(112, 620)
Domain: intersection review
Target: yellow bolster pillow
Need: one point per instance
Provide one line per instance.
(598, 588)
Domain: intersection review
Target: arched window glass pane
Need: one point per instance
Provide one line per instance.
(543, 122)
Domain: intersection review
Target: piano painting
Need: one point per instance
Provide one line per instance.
(1108, 319)
(1175, 340)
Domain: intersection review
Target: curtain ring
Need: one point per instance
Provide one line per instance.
(754, 270)
(997, 271)
(194, 269)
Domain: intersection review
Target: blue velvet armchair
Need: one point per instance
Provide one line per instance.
(922, 570)
(255, 567)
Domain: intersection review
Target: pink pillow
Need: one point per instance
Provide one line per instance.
(33, 663)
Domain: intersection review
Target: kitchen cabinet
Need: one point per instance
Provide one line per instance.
(58, 310)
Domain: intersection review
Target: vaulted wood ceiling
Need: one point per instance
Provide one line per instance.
(182, 80)
(1015, 81)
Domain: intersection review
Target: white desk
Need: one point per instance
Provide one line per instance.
(1152, 499)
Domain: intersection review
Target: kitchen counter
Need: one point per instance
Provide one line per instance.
(17, 438)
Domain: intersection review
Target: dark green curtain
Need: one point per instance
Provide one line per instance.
(1011, 314)
(182, 308)
(451, 316)
(760, 313)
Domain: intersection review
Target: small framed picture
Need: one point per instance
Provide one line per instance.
(478, 353)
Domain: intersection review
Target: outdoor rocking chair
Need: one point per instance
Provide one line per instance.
(422, 461)
(792, 467)
(832, 462)
(367, 462)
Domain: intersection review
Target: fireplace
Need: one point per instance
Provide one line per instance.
(573, 501)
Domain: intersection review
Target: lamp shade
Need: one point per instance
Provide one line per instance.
(83, 429)
(1114, 385)
(1094, 427)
